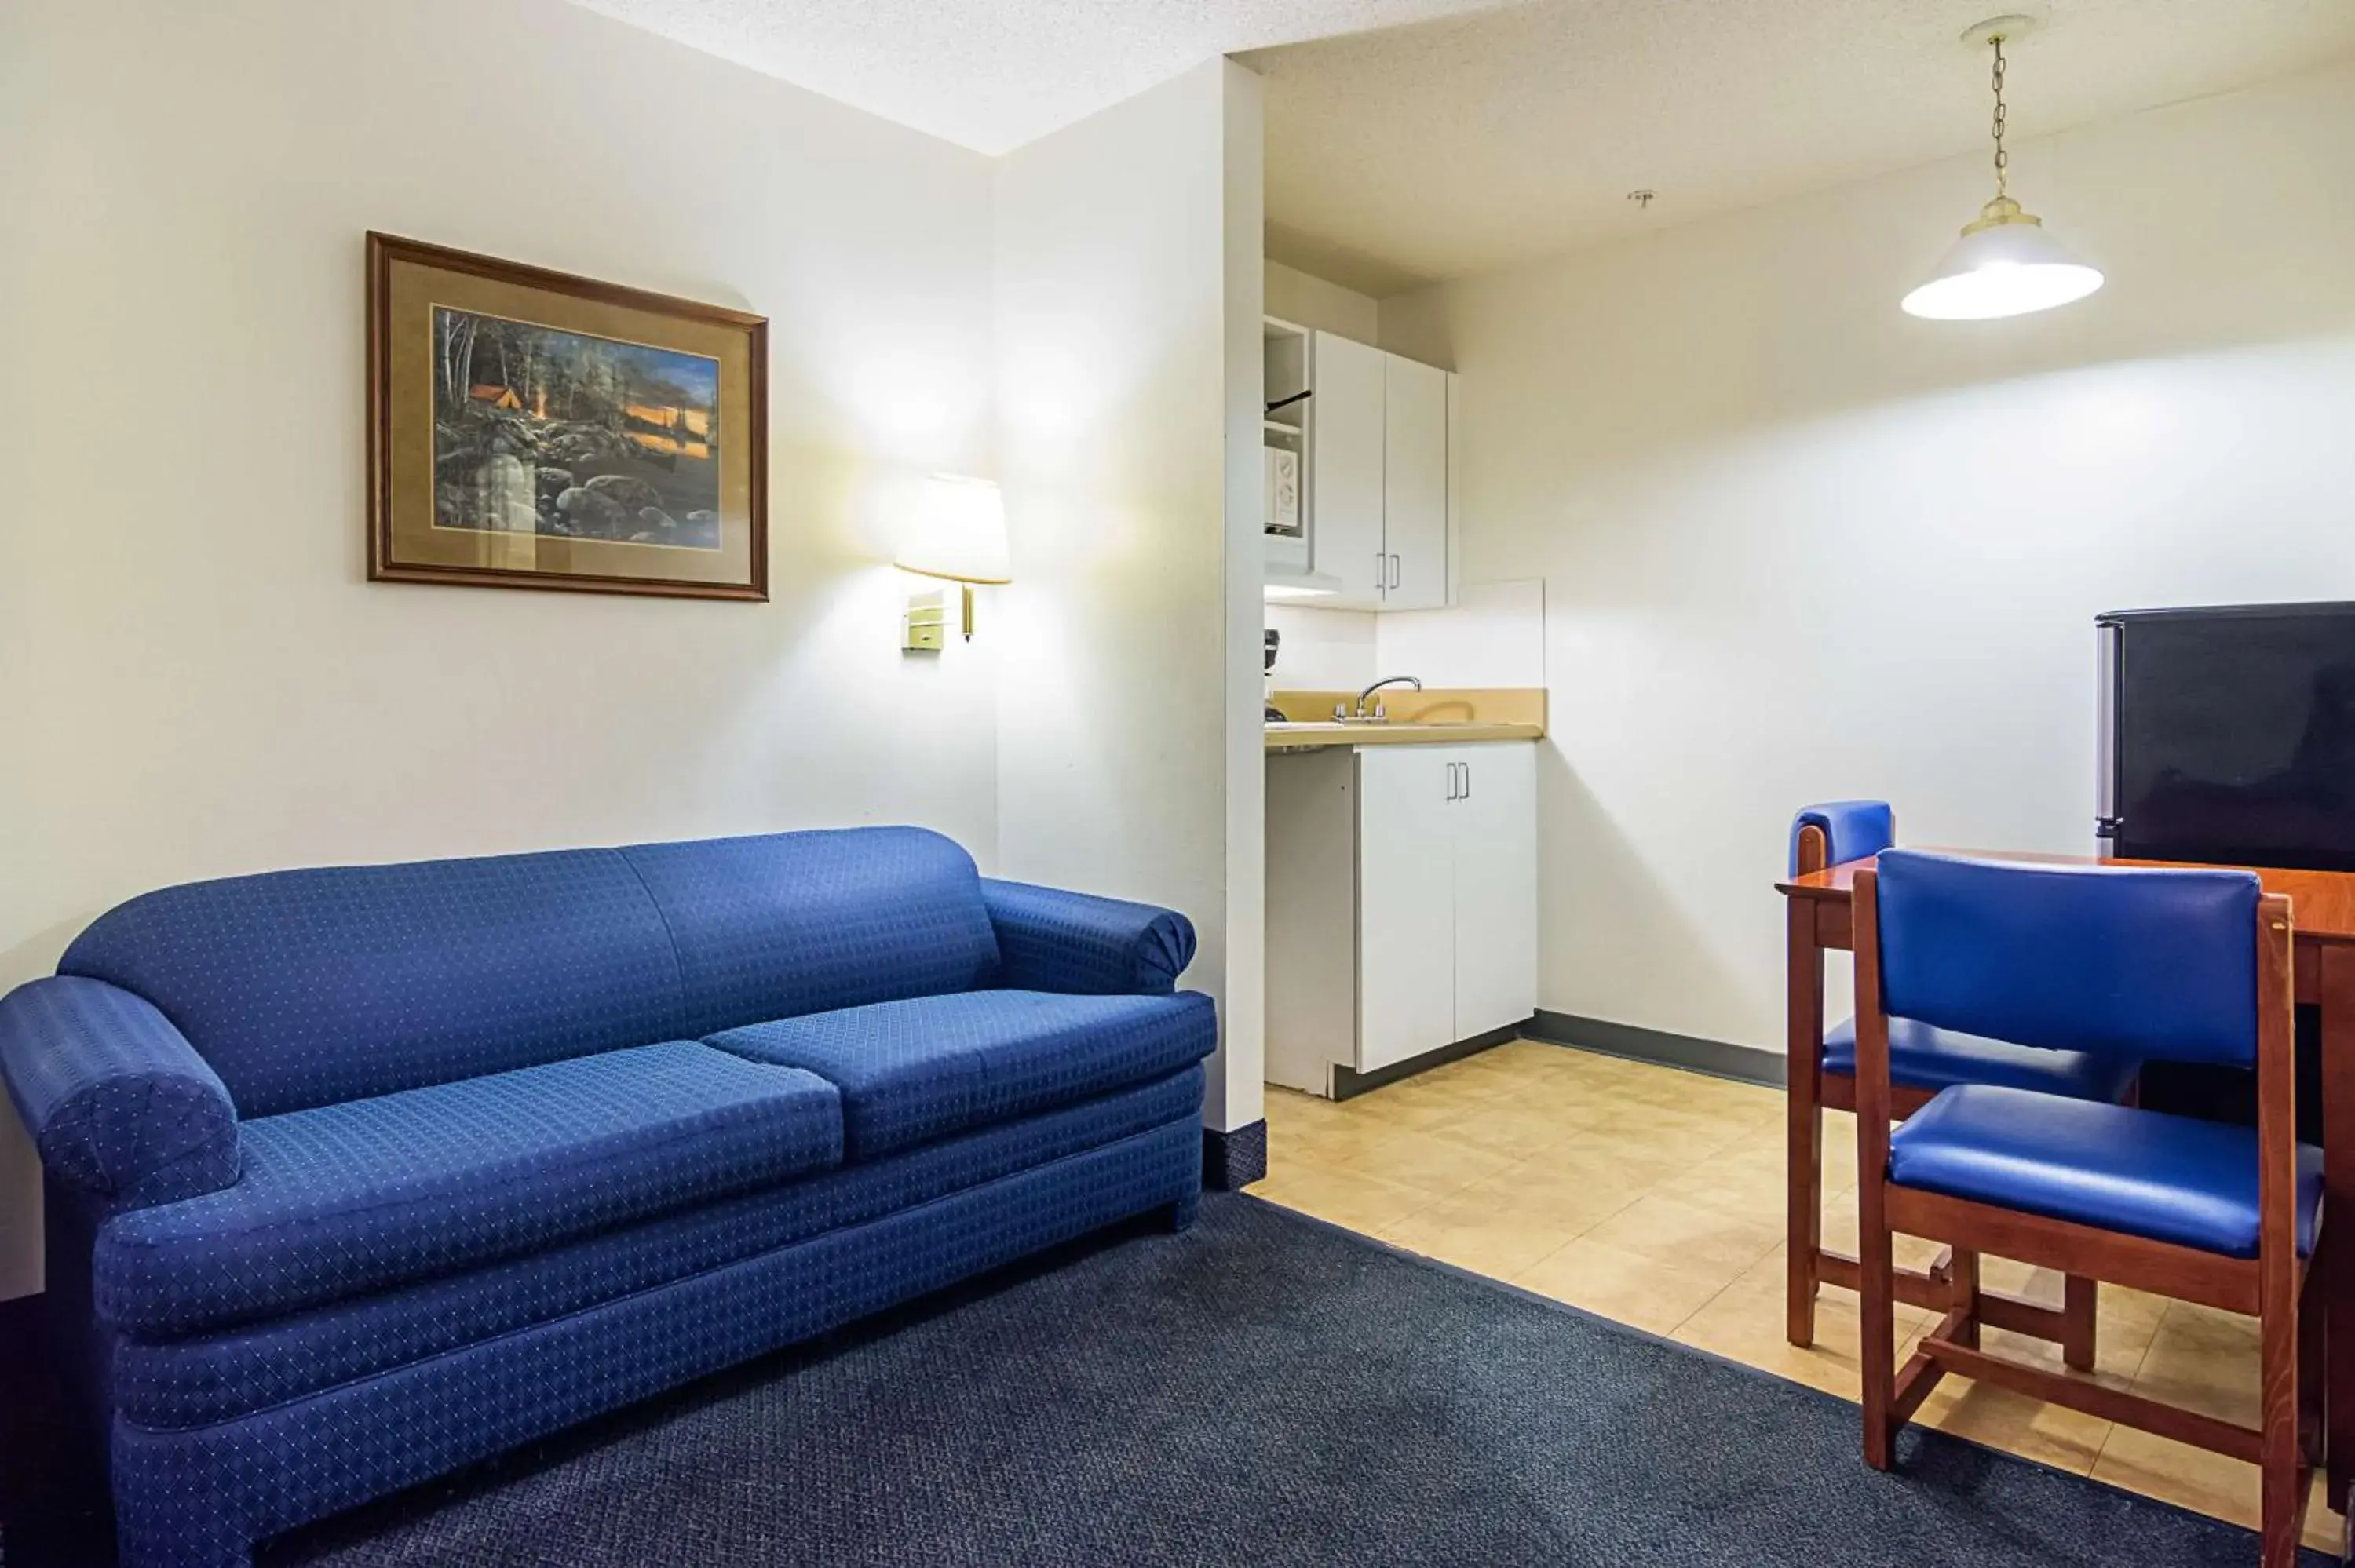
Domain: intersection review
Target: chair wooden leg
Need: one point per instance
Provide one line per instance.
(1962, 1268)
(1804, 1106)
(1804, 1232)
(1877, 1352)
(2080, 1300)
(2288, 1478)
(2312, 1370)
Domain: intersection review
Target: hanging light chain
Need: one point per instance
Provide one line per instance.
(2002, 158)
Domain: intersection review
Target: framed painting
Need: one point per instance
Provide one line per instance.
(528, 428)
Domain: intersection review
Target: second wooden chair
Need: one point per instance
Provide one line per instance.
(1923, 1060)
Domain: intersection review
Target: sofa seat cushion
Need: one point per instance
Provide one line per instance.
(914, 1070)
(199, 1379)
(344, 1199)
(2144, 1174)
(1921, 1057)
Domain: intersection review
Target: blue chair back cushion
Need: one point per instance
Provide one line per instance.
(309, 987)
(800, 923)
(1852, 828)
(2112, 961)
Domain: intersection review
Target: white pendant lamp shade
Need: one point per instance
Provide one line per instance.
(2004, 265)
(959, 534)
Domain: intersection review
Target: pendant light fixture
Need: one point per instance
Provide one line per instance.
(2004, 264)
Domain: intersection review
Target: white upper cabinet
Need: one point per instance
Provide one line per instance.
(1414, 484)
(1345, 483)
(1377, 460)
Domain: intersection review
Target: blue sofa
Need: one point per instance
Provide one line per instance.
(358, 1175)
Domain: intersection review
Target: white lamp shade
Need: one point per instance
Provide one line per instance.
(2005, 269)
(959, 533)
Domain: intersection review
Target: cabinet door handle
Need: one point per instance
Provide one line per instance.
(1451, 779)
(1381, 584)
(1394, 571)
(1468, 782)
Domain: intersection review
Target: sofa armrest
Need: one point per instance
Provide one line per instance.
(117, 1102)
(1049, 940)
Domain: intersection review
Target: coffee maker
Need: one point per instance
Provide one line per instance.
(1269, 711)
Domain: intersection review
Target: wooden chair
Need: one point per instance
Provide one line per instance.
(2189, 965)
(1822, 1076)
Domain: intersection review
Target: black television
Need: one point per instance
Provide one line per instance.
(2227, 735)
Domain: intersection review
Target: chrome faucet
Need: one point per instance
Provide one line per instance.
(1377, 685)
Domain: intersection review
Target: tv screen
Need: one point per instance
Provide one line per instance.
(2235, 736)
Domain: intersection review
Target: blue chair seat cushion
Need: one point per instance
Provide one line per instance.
(344, 1199)
(918, 1069)
(1922, 1057)
(2137, 1173)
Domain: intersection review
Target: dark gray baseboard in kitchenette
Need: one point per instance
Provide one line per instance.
(1233, 1160)
(1348, 1082)
(1744, 1063)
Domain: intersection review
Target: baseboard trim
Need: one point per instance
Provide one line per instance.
(1233, 1160)
(1348, 1083)
(1742, 1063)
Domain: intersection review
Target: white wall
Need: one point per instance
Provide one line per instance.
(196, 679)
(1127, 338)
(1798, 545)
(1321, 649)
(1308, 301)
(1494, 635)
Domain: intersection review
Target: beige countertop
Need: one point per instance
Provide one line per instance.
(1291, 736)
(1416, 718)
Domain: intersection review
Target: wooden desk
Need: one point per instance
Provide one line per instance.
(2322, 913)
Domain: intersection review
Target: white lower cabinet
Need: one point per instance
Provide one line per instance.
(1402, 903)
(1496, 889)
(1406, 901)
(1447, 896)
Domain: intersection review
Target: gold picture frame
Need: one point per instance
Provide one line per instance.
(530, 429)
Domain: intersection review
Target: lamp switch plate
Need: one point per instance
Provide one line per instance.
(926, 626)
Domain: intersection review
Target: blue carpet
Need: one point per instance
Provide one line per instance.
(1263, 1389)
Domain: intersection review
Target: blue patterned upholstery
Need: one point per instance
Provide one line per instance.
(118, 1103)
(913, 1071)
(805, 922)
(196, 1499)
(1852, 830)
(2131, 963)
(205, 1378)
(2142, 1172)
(1921, 1057)
(1049, 939)
(304, 988)
(339, 1200)
(366, 1173)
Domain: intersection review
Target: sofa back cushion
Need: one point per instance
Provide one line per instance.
(309, 987)
(800, 923)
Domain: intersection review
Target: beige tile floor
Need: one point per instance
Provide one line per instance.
(1655, 1196)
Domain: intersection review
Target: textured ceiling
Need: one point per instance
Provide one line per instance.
(992, 74)
(1486, 140)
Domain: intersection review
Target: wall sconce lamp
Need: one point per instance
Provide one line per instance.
(959, 535)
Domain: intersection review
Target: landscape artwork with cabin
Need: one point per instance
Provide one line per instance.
(567, 435)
